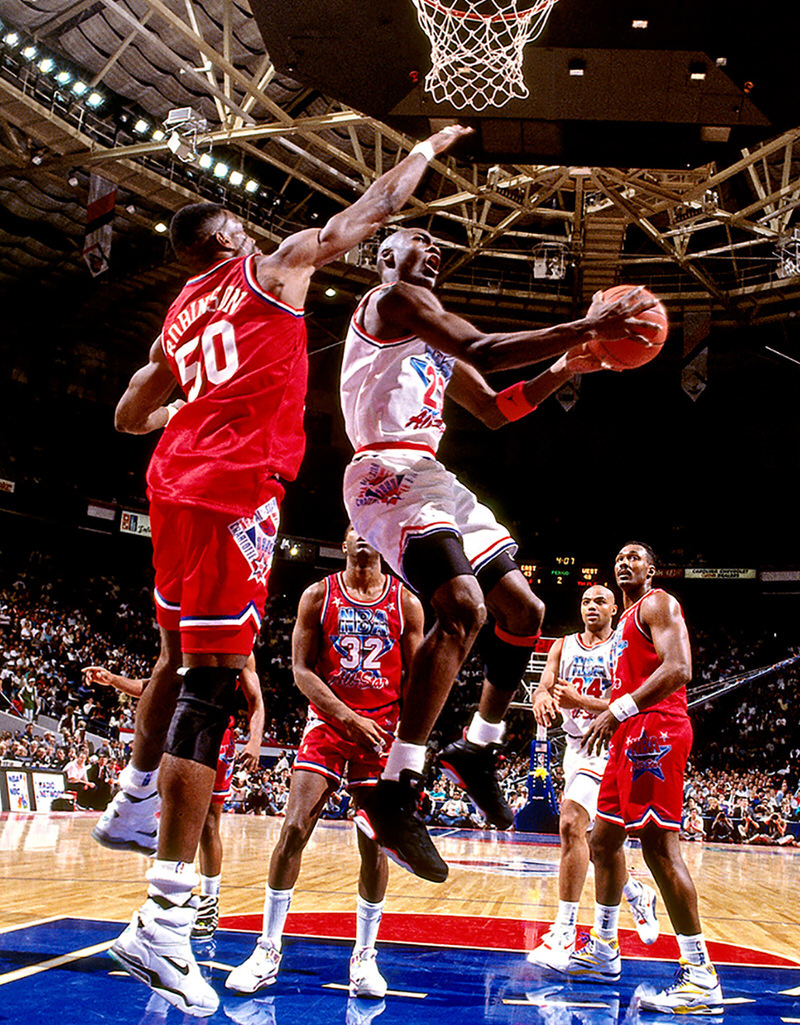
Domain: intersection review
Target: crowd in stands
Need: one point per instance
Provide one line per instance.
(50, 632)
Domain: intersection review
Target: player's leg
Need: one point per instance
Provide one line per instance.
(216, 638)
(365, 978)
(129, 822)
(209, 857)
(309, 791)
(506, 648)
(697, 985)
(435, 565)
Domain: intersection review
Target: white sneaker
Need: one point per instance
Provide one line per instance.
(129, 823)
(643, 909)
(258, 971)
(207, 920)
(554, 949)
(696, 990)
(365, 979)
(596, 959)
(155, 948)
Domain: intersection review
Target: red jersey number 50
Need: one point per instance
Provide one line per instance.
(211, 357)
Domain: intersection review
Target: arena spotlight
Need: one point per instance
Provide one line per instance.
(251, 186)
(577, 67)
(158, 135)
(236, 178)
(697, 71)
(160, 227)
(11, 38)
(141, 127)
(94, 100)
(331, 292)
(79, 88)
(63, 78)
(72, 177)
(206, 161)
(29, 52)
(640, 23)
(221, 170)
(47, 64)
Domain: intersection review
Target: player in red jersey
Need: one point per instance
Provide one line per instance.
(355, 636)
(641, 794)
(209, 851)
(234, 340)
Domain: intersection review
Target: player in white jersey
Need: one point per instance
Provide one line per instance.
(402, 351)
(576, 681)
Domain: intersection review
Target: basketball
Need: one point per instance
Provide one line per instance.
(624, 352)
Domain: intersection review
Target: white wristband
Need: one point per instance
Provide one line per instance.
(623, 708)
(425, 148)
(171, 409)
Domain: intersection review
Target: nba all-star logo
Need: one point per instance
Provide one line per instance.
(381, 485)
(646, 753)
(256, 536)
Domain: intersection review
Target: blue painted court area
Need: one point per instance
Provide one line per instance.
(427, 985)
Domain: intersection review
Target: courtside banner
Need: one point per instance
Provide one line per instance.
(7, 485)
(46, 787)
(134, 523)
(99, 218)
(706, 573)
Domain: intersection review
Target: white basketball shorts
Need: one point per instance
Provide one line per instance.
(582, 775)
(394, 496)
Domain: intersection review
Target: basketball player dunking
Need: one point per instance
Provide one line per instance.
(641, 794)
(402, 351)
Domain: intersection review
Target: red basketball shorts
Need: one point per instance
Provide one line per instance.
(324, 750)
(643, 781)
(227, 756)
(212, 570)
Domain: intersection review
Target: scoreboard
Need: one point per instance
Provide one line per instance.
(563, 571)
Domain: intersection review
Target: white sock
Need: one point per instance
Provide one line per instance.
(606, 922)
(403, 755)
(276, 908)
(174, 880)
(209, 885)
(481, 732)
(368, 918)
(632, 889)
(693, 949)
(567, 916)
(135, 781)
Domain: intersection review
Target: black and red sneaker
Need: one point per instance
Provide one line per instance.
(474, 768)
(388, 814)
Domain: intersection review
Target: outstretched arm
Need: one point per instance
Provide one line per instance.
(102, 676)
(413, 309)
(385, 197)
(142, 407)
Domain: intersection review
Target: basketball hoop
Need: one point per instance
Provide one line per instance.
(477, 48)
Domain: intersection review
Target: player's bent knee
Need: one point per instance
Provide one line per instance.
(201, 714)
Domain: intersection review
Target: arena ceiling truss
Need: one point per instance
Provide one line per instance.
(525, 239)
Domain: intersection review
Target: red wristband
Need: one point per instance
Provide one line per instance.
(512, 402)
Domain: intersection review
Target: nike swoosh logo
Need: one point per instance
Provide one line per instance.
(182, 968)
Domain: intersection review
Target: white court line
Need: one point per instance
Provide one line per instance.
(31, 924)
(790, 1019)
(554, 1003)
(737, 1000)
(795, 992)
(389, 992)
(215, 964)
(54, 962)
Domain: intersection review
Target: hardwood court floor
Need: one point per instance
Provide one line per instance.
(50, 866)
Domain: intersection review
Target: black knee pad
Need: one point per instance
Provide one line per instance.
(430, 561)
(504, 662)
(204, 707)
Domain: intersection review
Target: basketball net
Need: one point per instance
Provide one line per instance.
(477, 48)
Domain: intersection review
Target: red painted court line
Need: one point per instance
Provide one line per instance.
(489, 934)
